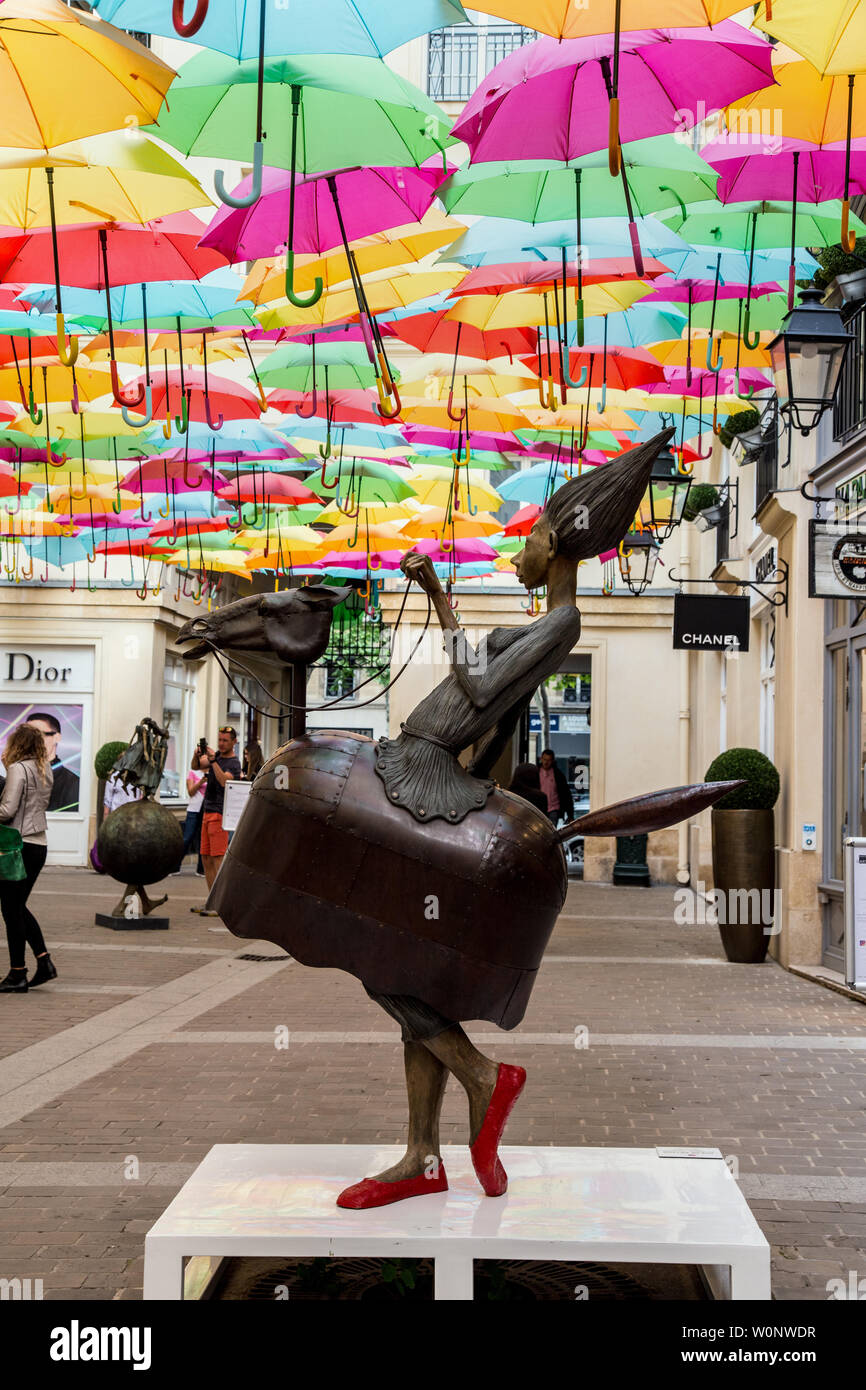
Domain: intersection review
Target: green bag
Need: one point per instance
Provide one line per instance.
(12, 868)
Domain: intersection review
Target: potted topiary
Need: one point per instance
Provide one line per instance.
(745, 428)
(102, 765)
(744, 862)
(702, 496)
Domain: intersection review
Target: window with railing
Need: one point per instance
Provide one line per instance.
(460, 56)
(767, 466)
(723, 532)
(849, 410)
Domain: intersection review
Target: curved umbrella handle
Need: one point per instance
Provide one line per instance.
(467, 460)
(255, 190)
(209, 416)
(68, 354)
(849, 239)
(747, 396)
(748, 341)
(508, 350)
(117, 389)
(75, 403)
(566, 373)
(166, 427)
(329, 487)
(314, 404)
(297, 299)
(460, 415)
(714, 344)
(182, 424)
(602, 405)
(665, 188)
(263, 400)
(717, 428)
(707, 455)
(614, 154)
(32, 409)
(134, 420)
(325, 449)
(381, 406)
(187, 29)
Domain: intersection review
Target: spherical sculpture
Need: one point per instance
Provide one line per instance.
(140, 842)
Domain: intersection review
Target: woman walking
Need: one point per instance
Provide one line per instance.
(29, 780)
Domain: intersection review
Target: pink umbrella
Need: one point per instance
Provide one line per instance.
(167, 475)
(371, 200)
(703, 382)
(784, 170)
(186, 393)
(499, 279)
(700, 291)
(550, 99)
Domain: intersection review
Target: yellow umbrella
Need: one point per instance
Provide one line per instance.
(523, 308)
(396, 292)
(64, 74)
(566, 20)
(65, 426)
(55, 383)
(674, 352)
(485, 414)
(831, 35)
(434, 484)
(101, 497)
(570, 416)
(374, 512)
(399, 246)
(106, 178)
(298, 536)
(390, 531)
(129, 347)
(490, 384)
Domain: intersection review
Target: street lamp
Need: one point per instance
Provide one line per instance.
(807, 356)
(661, 508)
(638, 557)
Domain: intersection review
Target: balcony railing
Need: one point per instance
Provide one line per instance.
(723, 533)
(767, 466)
(849, 412)
(458, 57)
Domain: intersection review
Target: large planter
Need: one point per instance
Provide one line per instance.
(744, 870)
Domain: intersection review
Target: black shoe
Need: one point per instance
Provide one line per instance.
(15, 983)
(45, 970)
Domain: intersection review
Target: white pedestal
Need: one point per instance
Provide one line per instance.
(613, 1206)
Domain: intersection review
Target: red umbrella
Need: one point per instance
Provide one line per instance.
(165, 249)
(621, 368)
(180, 392)
(435, 333)
(523, 521)
(277, 489)
(342, 407)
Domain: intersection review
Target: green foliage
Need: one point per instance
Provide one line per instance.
(834, 261)
(701, 497)
(759, 773)
(400, 1274)
(740, 423)
(106, 758)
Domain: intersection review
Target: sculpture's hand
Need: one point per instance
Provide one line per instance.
(420, 569)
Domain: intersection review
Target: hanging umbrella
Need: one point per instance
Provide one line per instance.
(821, 106)
(730, 225)
(47, 52)
(380, 295)
(184, 393)
(438, 332)
(294, 366)
(335, 26)
(525, 308)
(495, 239)
(371, 200)
(543, 275)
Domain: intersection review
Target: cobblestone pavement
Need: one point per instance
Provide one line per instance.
(152, 1046)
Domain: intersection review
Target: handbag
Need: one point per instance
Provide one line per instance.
(12, 868)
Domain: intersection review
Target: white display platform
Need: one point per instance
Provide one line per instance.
(615, 1206)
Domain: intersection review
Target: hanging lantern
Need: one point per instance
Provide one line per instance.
(662, 505)
(638, 556)
(807, 357)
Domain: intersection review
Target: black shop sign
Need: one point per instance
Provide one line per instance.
(710, 623)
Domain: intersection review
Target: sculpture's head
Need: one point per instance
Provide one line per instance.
(294, 624)
(588, 515)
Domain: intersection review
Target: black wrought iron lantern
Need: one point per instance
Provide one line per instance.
(661, 509)
(638, 557)
(807, 356)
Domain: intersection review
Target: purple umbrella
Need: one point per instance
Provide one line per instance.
(371, 200)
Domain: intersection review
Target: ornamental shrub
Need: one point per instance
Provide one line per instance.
(741, 423)
(760, 775)
(106, 758)
(701, 497)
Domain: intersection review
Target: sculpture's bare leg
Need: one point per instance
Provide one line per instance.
(426, 1077)
(476, 1073)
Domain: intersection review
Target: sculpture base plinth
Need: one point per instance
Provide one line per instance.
(614, 1206)
(105, 919)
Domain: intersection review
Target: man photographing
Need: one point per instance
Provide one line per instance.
(223, 766)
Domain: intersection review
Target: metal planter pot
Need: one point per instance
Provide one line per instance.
(744, 869)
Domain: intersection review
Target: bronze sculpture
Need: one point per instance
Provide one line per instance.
(395, 862)
(140, 842)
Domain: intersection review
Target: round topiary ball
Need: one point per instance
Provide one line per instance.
(761, 777)
(106, 758)
(701, 496)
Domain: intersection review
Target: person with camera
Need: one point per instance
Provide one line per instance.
(223, 765)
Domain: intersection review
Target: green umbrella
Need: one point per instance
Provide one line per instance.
(362, 480)
(662, 174)
(730, 225)
(764, 313)
(295, 366)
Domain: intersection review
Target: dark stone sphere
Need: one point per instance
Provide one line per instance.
(140, 842)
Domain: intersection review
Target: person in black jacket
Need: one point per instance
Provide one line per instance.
(554, 785)
(526, 783)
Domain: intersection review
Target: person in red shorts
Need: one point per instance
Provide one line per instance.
(224, 767)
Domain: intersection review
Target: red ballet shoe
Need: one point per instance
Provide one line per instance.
(510, 1081)
(372, 1193)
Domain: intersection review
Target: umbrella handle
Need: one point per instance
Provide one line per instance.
(566, 373)
(508, 350)
(181, 423)
(263, 400)
(849, 239)
(602, 405)
(636, 251)
(467, 460)
(748, 394)
(314, 404)
(717, 428)
(209, 416)
(68, 354)
(663, 188)
(614, 153)
(748, 341)
(297, 299)
(707, 455)
(187, 29)
(133, 420)
(460, 415)
(75, 404)
(714, 348)
(117, 390)
(256, 189)
(791, 283)
(166, 427)
(33, 410)
(325, 449)
(381, 406)
(329, 487)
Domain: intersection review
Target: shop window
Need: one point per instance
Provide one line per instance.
(768, 684)
(459, 56)
(838, 760)
(178, 714)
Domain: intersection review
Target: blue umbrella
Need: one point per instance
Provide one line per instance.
(641, 324)
(203, 303)
(498, 240)
(371, 28)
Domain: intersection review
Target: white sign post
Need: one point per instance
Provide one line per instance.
(237, 794)
(855, 913)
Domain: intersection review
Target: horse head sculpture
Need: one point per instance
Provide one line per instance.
(293, 624)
